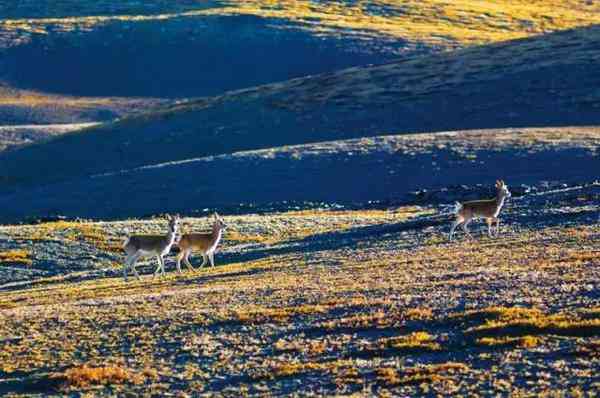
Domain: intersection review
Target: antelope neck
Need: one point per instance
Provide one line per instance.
(216, 233)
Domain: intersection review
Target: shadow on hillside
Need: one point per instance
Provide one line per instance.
(388, 232)
(35, 382)
(180, 57)
(547, 80)
(336, 239)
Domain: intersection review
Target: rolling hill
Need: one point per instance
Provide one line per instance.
(158, 50)
(334, 138)
(57, 65)
(548, 80)
(421, 169)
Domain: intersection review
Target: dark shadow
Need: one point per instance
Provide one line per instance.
(499, 95)
(180, 57)
(37, 382)
(335, 240)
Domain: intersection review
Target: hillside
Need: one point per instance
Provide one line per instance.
(383, 170)
(372, 302)
(543, 81)
(338, 140)
(186, 48)
(157, 50)
(12, 137)
(435, 22)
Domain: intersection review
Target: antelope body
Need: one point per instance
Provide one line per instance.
(204, 243)
(488, 209)
(140, 246)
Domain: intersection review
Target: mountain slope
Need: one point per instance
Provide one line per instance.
(387, 169)
(543, 81)
(187, 48)
(97, 55)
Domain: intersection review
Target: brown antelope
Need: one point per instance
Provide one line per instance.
(488, 209)
(139, 246)
(204, 243)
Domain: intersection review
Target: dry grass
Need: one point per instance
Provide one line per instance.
(17, 256)
(435, 22)
(415, 342)
(84, 376)
(419, 375)
(342, 319)
(522, 342)
(72, 231)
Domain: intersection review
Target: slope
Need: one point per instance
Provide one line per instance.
(401, 169)
(549, 80)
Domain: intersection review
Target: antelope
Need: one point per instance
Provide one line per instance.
(139, 246)
(205, 243)
(488, 209)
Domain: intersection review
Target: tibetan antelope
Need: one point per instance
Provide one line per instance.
(139, 246)
(488, 209)
(205, 244)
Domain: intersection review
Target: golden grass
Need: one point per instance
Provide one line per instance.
(348, 317)
(523, 322)
(17, 256)
(435, 22)
(84, 376)
(277, 315)
(413, 342)
(73, 231)
(291, 369)
(521, 342)
(420, 374)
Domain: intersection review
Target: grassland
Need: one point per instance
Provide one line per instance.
(433, 22)
(315, 302)
(400, 169)
(387, 27)
(438, 23)
(542, 81)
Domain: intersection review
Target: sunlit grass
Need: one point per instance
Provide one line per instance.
(81, 377)
(522, 342)
(418, 375)
(369, 315)
(17, 256)
(435, 22)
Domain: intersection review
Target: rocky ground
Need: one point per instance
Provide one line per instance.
(314, 302)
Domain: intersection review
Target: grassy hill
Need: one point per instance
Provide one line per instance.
(324, 303)
(548, 80)
(187, 48)
(97, 55)
(437, 22)
(400, 169)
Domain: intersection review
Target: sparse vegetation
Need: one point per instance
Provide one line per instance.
(370, 314)
(82, 377)
(435, 22)
(363, 297)
(17, 256)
